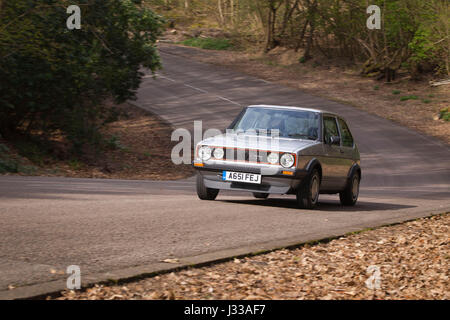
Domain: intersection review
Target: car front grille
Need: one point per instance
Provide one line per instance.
(245, 155)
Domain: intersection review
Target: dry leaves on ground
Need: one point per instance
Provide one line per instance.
(412, 258)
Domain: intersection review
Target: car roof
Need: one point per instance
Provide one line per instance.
(291, 107)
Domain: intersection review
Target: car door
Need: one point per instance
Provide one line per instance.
(331, 161)
(347, 144)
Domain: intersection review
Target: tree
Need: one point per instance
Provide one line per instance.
(54, 80)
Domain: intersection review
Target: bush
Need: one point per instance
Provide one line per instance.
(55, 80)
(8, 165)
(444, 114)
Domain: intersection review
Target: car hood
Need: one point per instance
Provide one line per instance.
(257, 142)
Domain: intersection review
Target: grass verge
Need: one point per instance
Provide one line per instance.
(208, 43)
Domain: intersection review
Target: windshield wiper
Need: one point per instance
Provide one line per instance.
(302, 135)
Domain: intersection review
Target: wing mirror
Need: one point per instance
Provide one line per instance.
(335, 140)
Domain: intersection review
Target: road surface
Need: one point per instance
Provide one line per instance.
(120, 228)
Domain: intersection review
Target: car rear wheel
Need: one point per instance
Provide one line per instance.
(203, 192)
(259, 195)
(350, 195)
(308, 193)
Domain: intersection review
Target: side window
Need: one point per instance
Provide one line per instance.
(329, 128)
(347, 139)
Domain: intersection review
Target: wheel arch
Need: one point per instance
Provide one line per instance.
(314, 164)
(355, 168)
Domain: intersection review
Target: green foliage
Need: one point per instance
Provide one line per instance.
(444, 114)
(420, 45)
(27, 169)
(8, 165)
(75, 164)
(35, 151)
(114, 143)
(431, 42)
(410, 97)
(209, 43)
(396, 92)
(54, 80)
(414, 33)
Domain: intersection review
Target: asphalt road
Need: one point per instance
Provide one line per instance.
(120, 228)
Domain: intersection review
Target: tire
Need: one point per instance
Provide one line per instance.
(308, 193)
(203, 192)
(259, 195)
(350, 194)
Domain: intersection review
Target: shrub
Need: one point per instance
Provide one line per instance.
(444, 114)
(55, 80)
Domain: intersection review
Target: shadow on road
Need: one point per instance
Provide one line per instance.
(323, 206)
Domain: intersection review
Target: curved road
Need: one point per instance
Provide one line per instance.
(119, 228)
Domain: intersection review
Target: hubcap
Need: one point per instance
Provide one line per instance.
(355, 187)
(314, 188)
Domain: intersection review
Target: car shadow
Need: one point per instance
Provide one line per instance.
(325, 205)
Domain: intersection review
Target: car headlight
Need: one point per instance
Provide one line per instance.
(287, 160)
(218, 153)
(272, 158)
(204, 153)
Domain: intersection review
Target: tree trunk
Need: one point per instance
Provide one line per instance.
(312, 7)
(302, 36)
(221, 18)
(270, 28)
(287, 15)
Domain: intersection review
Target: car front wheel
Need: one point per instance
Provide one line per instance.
(350, 195)
(203, 192)
(308, 193)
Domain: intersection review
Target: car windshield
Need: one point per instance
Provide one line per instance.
(297, 124)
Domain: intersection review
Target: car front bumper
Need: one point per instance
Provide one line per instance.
(282, 181)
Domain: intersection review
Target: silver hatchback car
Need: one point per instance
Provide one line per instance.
(281, 150)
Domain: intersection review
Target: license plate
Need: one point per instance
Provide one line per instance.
(241, 177)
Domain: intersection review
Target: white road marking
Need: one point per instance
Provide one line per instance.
(195, 88)
(158, 75)
(238, 104)
(204, 91)
(198, 89)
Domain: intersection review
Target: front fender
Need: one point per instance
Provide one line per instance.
(314, 163)
(353, 169)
